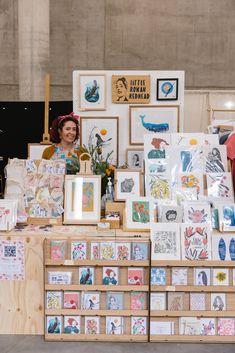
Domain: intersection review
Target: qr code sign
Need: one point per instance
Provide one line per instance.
(9, 250)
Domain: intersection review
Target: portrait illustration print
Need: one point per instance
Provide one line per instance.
(130, 89)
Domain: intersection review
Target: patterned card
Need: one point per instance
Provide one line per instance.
(114, 325)
(179, 276)
(78, 250)
(123, 251)
(114, 300)
(95, 251)
(91, 300)
(165, 239)
(215, 158)
(218, 301)
(54, 300)
(197, 301)
(138, 301)
(58, 249)
(219, 186)
(53, 324)
(202, 276)
(197, 213)
(220, 276)
(136, 276)
(196, 242)
(207, 326)
(158, 276)
(175, 301)
(226, 326)
(107, 251)
(72, 324)
(92, 325)
(138, 325)
(86, 275)
(158, 301)
(139, 251)
(71, 300)
(110, 276)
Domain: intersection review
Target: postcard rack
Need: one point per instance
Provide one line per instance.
(127, 310)
(183, 310)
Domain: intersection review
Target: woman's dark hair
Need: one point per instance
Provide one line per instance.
(124, 81)
(59, 123)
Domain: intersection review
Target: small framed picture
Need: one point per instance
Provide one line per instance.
(92, 95)
(141, 212)
(82, 204)
(127, 183)
(167, 89)
(135, 158)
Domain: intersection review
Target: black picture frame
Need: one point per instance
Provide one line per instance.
(167, 89)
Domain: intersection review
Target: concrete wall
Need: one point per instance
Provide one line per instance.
(197, 36)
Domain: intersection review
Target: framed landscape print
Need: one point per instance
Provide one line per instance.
(102, 133)
(135, 158)
(127, 182)
(130, 89)
(167, 89)
(92, 95)
(82, 201)
(148, 119)
(141, 212)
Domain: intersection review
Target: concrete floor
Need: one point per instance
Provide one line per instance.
(36, 344)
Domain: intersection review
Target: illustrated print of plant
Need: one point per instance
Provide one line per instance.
(140, 212)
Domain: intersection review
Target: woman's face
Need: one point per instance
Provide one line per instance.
(120, 88)
(111, 274)
(68, 132)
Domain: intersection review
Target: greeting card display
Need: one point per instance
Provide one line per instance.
(196, 242)
(72, 324)
(78, 250)
(114, 300)
(71, 300)
(114, 325)
(54, 300)
(165, 241)
(110, 276)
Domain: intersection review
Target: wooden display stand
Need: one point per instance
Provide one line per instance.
(174, 316)
(126, 313)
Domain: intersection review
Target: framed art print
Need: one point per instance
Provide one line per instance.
(102, 133)
(92, 95)
(135, 158)
(167, 89)
(148, 119)
(127, 182)
(82, 201)
(130, 89)
(141, 212)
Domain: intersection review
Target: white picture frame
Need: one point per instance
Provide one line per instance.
(141, 212)
(127, 182)
(92, 92)
(135, 158)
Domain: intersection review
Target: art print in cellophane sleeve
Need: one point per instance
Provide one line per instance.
(196, 241)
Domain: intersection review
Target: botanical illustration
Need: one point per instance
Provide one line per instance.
(158, 186)
(196, 242)
(58, 249)
(123, 251)
(78, 250)
(138, 325)
(107, 251)
(92, 325)
(138, 300)
(54, 300)
(220, 185)
(140, 212)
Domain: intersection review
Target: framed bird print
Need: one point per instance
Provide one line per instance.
(92, 92)
(149, 119)
(102, 133)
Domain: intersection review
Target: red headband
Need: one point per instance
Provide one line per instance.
(71, 115)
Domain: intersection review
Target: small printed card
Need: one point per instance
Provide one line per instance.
(114, 325)
(95, 251)
(189, 326)
(165, 239)
(138, 325)
(91, 300)
(78, 250)
(158, 276)
(195, 241)
(86, 275)
(56, 277)
(202, 276)
(175, 301)
(114, 300)
(107, 250)
(71, 300)
(207, 326)
(220, 276)
(72, 324)
(218, 301)
(179, 276)
(158, 301)
(162, 327)
(197, 301)
(54, 300)
(136, 276)
(123, 251)
(110, 276)
(138, 300)
(226, 326)
(139, 251)
(92, 325)
(53, 324)
(58, 249)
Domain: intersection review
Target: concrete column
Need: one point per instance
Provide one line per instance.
(33, 28)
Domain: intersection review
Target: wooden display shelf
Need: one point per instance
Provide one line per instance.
(212, 289)
(193, 339)
(96, 312)
(188, 263)
(100, 337)
(98, 287)
(193, 313)
(119, 263)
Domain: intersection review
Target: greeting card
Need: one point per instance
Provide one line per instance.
(170, 214)
(226, 326)
(138, 325)
(71, 300)
(110, 276)
(86, 275)
(165, 239)
(179, 276)
(57, 277)
(123, 251)
(218, 301)
(207, 326)
(78, 250)
(197, 212)
(202, 276)
(197, 301)
(158, 301)
(220, 276)
(72, 324)
(54, 300)
(95, 251)
(175, 301)
(58, 249)
(139, 251)
(92, 325)
(90, 300)
(107, 251)
(195, 242)
(135, 276)
(158, 276)
(162, 327)
(53, 324)
(114, 300)
(214, 158)
(138, 300)
(219, 186)
(189, 326)
(114, 325)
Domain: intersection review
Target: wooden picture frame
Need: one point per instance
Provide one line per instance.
(82, 203)
(107, 130)
(135, 158)
(160, 118)
(92, 92)
(167, 89)
(127, 183)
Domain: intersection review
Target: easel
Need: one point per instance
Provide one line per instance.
(212, 111)
(46, 135)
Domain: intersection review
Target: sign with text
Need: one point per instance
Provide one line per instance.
(130, 89)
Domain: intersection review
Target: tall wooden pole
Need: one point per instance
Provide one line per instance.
(46, 135)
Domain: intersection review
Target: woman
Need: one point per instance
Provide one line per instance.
(64, 132)
(121, 89)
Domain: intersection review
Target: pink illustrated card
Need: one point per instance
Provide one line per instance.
(71, 300)
(92, 325)
(95, 251)
(138, 301)
(135, 276)
(58, 249)
(226, 326)
(78, 250)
